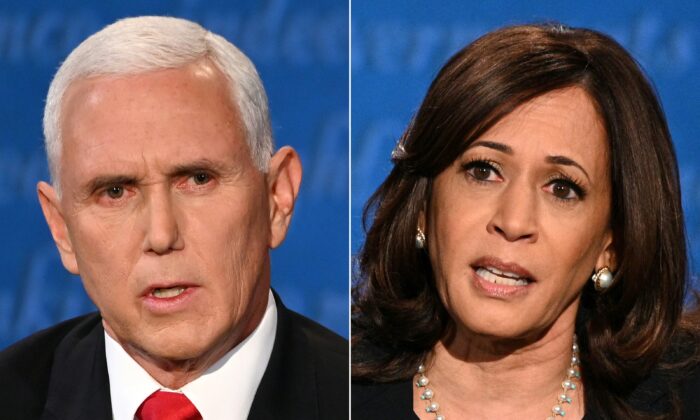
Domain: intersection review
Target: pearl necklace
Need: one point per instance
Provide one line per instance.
(572, 374)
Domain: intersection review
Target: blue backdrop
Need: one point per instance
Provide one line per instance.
(398, 47)
(300, 48)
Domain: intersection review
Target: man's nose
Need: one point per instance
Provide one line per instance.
(515, 214)
(162, 229)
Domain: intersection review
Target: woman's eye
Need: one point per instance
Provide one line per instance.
(201, 178)
(115, 192)
(482, 171)
(565, 190)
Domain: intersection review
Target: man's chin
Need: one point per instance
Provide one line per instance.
(173, 351)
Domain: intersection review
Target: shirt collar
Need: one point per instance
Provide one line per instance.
(224, 391)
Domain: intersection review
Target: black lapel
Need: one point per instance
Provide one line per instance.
(79, 384)
(288, 386)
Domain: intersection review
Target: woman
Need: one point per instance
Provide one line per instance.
(526, 255)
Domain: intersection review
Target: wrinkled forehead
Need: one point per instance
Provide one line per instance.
(165, 115)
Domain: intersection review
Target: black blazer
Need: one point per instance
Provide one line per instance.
(379, 401)
(61, 373)
(393, 401)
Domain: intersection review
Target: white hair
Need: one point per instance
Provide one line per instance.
(142, 44)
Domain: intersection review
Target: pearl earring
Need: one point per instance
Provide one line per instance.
(420, 238)
(603, 279)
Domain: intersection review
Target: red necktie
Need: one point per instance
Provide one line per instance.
(162, 405)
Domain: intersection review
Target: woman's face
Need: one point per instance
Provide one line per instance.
(518, 223)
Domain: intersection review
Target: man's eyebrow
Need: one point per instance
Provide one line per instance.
(563, 160)
(103, 181)
(493, 145)
(198, 165)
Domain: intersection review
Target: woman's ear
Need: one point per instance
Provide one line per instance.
(607, 257)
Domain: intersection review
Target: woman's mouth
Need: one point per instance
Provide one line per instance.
(499, 279)
(496, 276)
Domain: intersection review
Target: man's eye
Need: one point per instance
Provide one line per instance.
(201, 178)
(115, 192)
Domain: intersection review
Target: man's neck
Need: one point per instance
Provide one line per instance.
(174, 374)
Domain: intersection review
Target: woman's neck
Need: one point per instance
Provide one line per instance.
(481, 377)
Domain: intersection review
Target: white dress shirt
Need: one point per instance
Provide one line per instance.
(224, 392)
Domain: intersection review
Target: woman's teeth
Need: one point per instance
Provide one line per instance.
(168, 293)
(496, 276)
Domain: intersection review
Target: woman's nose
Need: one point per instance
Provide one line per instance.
(515, 214)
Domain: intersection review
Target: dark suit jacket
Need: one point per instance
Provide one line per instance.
(61, 373)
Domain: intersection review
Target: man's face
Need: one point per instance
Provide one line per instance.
(163, 214)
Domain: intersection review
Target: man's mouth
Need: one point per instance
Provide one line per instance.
(170, 292)
(496, 276)
(169, 296)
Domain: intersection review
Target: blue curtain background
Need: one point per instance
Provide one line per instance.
(300, 48)
(398, 48)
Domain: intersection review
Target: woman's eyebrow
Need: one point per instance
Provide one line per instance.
(554, 159)
(493, 145)
(563, 160)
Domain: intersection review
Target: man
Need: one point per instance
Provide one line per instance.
(165, 199)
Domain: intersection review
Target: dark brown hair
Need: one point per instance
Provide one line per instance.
(397, 316)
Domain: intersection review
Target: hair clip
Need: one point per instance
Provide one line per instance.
(398, 153)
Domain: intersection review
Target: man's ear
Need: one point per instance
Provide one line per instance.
(50, 205)
(607, 257)
(283, 180)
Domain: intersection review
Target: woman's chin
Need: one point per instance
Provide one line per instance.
(488, 323)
